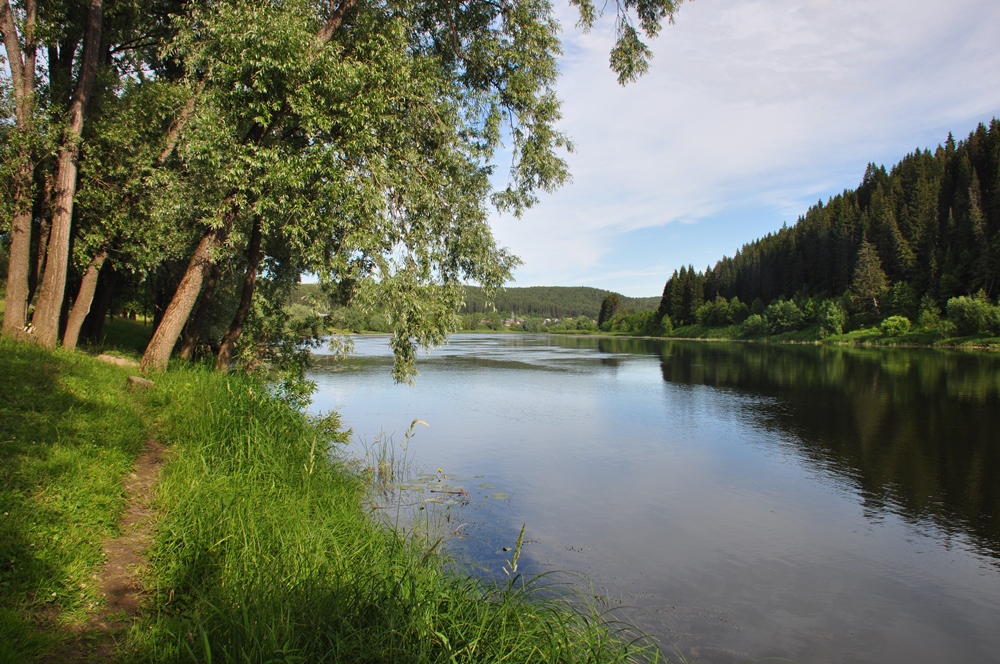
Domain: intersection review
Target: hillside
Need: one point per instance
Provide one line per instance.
(550, 301)
(928, 229)
(543, 301)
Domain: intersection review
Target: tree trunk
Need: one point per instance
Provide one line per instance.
(21, 64)
(162, 344)
(85, 297)
(15, 316)
(235, 330)
(93, 324)
(192, 331)
(50, 299)
(38, 265)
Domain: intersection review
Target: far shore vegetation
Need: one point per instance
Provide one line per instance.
(969, 322)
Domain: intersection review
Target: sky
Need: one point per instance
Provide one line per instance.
(752, 111)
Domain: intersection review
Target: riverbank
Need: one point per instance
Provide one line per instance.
(262, 550)
(863, 337)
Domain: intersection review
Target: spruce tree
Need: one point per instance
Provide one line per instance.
(869, 284)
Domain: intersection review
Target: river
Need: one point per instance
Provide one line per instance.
(737, 501)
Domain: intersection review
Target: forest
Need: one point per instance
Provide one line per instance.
(917, 244)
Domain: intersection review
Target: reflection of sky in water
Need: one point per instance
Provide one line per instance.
(684, 500)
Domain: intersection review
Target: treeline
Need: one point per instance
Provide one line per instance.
(534, 302)
(548, 301)
(921, 238)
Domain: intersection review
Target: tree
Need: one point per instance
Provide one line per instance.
(378, 126)
(609, 307)
(22, 49)
(87, 51)
(869, 284)
(354, 140)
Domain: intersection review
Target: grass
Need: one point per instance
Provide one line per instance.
(68, 433)
(124, 337)
(264, 550)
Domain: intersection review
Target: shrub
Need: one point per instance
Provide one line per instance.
(704, 314)
(971, 315)
(738, 312)
(832, 318)
(783, 316)
(895, 326)
(753, 325)
(634, 322)
(930, 315)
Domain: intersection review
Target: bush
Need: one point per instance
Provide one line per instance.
(753, 326)
(634, 322)
(832, 318)
(930, 315)
(972, 315)
(713, 314)
(738, 312)
(703, 314)
(584, 324)
(783, 316)
(895, 326)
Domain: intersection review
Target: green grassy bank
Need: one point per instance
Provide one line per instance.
(263, 551)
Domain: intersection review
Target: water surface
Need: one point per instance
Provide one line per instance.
(741, 500)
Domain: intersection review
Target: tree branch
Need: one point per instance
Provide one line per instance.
(337, 16)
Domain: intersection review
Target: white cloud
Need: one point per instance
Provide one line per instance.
(750, 105)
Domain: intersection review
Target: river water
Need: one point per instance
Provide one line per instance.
(738, 501)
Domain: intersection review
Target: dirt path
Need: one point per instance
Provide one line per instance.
(125, 553)
(119, 579)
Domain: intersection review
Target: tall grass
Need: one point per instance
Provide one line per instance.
(265, 551)
(266, 554)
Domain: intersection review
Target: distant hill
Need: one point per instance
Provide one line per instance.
(550, 301)
(547, 301)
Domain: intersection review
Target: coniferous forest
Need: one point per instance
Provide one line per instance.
(918, 241)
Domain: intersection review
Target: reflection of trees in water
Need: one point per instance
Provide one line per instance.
(915, 431)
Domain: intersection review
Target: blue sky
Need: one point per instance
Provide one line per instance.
(753, 110)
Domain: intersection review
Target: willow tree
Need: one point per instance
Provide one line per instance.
(364, 137)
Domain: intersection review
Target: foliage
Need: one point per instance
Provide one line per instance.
(642, 323)
(753, 326)
(832, 318)
(4, 261)
(973, 315)
(783, 316)
(895, 326)
(609, 307)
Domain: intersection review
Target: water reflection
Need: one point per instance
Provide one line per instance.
(813, 503)
(915, 431)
